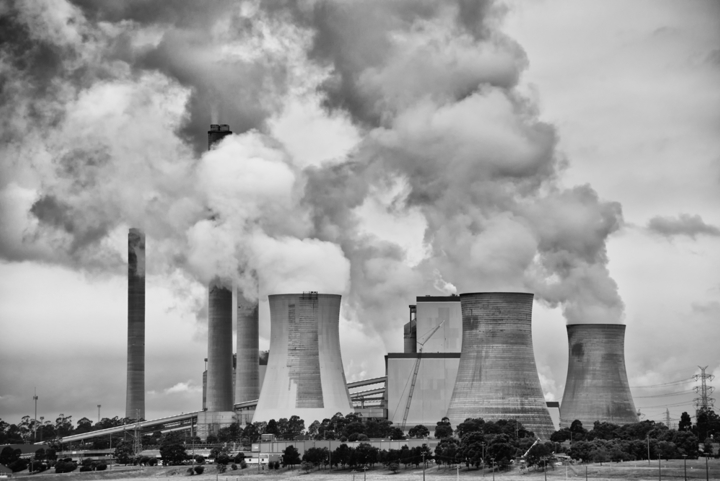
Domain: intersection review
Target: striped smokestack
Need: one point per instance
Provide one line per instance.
(497, 377)
(596, 388)
(247, 378)
(219, 367)
(135, 396)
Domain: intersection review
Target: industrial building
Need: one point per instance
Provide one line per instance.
(464, 356)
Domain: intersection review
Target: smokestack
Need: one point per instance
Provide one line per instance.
(247, 375)
(219, 369)
(497, 377)
(216, 133)
(596, 388)
(135, 394)
(410, 332)
(305, 373)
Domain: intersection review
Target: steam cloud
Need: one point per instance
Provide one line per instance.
(685, 224)
(104, 108)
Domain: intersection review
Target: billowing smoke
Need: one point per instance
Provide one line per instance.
(104, 110)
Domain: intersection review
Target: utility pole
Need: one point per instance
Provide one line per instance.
(648, 444)
(99, 406)
(423, 455)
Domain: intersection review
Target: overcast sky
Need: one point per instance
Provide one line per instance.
(384, 150)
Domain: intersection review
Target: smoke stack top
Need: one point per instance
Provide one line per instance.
(216, 133)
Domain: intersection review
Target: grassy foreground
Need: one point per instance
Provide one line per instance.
(635, 470)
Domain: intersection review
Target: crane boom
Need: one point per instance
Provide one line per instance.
(415, 373)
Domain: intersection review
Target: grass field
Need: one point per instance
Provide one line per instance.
(637, 470)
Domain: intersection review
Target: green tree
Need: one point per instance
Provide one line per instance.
(172, 449)
(272, 428)
(685, 423)
(291, 456)
(419, 431)
(397, 434)
(9, 455)
(84, 425)
(538, 452)
(501, 449)
(447, 451)
(443, 429)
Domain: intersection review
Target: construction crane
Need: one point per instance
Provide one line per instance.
(415, 373)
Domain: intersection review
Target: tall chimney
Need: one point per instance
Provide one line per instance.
(219, 367)
(247, 372)
(497, 377)
(135, 395)
(596, 388)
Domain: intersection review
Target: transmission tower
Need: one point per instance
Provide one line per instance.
(704, 402)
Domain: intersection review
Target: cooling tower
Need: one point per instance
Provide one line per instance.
(219, 370)
(247, 382)
(497, 378)
(135, 395)
(596, 388)
(305, 373)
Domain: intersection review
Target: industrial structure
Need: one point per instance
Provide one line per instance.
(597, 387)
(467, 356)
(220, 306)
(135, 393)
(497, 377)
(305, 374)
(247, 375)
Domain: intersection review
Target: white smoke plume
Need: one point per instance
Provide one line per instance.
(105, 107)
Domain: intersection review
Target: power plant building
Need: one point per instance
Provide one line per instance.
(497, 377)
(596, 388)
(437, 364)
(305, 375)
(135, 394)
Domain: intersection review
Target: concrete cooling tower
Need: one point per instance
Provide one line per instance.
(305, 375)
(596, 388)
(135, 394)
(497, 378)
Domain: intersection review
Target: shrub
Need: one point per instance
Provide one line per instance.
(305, 466)
(243, 464)
(18, 465)
(239, 457)
(394, 467)
(85, 468)
(102, 466)
(233, 466)
(190, 471)
(65, 466)
(199, 469)
(200, 459)
(221, 468)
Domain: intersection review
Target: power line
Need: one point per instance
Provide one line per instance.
(676, 393)
(680, 381)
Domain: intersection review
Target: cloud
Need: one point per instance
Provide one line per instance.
(682, 225)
